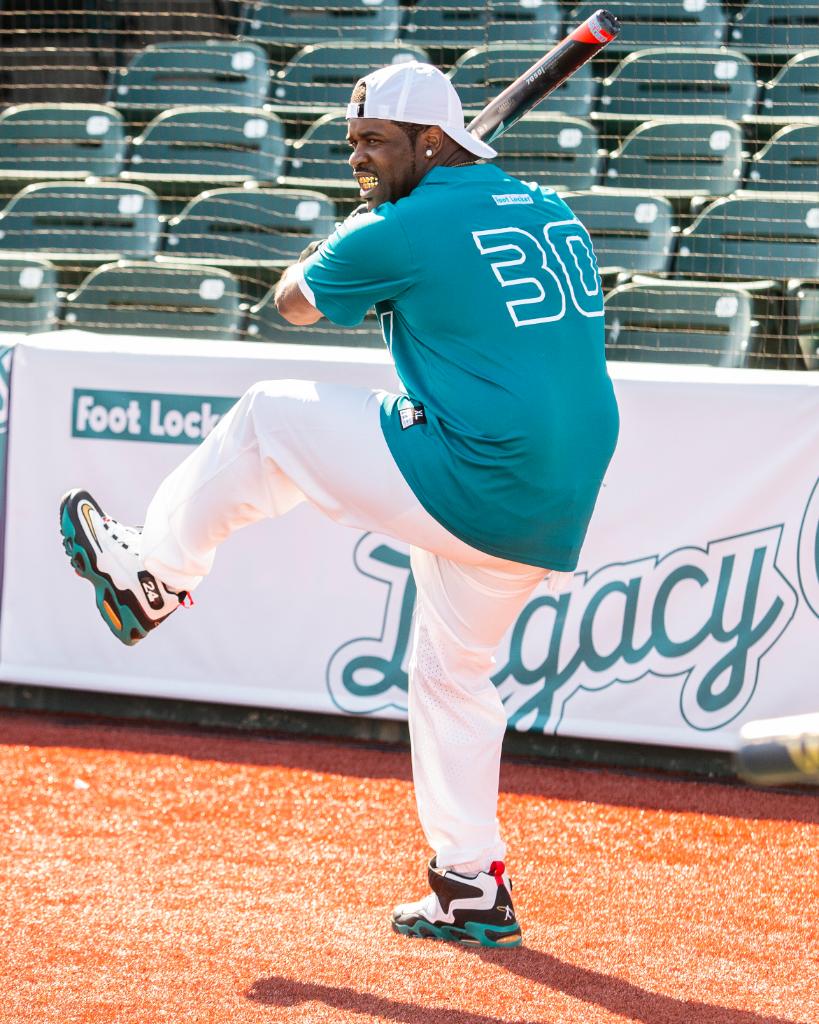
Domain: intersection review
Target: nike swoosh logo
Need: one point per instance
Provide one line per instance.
(85, 509)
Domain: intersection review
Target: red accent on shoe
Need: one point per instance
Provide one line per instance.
(185, 599)
(497, 868)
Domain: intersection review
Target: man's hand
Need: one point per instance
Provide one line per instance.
(318, 242)
(310, 249)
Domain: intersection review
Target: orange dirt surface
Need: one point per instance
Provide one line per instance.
(151, 874)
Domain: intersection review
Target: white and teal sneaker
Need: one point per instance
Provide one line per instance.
(131, 600)
(475, 910)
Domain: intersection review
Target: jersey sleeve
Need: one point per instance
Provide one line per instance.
(366, 260)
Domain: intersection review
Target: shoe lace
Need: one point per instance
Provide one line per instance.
(128, 537)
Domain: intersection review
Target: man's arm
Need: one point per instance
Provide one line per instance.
(291, 300)
(292, 292)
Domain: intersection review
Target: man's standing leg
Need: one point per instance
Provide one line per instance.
(457, 723)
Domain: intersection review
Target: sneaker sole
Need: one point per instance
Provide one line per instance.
(112, 604)
(472, 934)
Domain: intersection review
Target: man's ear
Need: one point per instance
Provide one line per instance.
(432, 138)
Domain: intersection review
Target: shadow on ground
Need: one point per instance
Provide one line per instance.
(603, 990)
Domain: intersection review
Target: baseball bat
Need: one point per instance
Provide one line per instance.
(544, 76)
(779, 751)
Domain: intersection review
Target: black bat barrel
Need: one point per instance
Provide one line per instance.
(545, 76)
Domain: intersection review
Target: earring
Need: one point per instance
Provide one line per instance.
(428, 153)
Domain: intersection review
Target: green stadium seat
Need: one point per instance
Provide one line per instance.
(776, 27)
(793, 95)
(679, 82)
(449, 26)
(264, 323)
(196, 146)
(41, 141)
(319, 159)
(249, 228)
(324, 76)
(789, 162)
(561, 152)
(483, 72)
(81, 222)
(804, 296)
(683, 157)
(319, 79)
(747, 236)
(190, 73)
(663, 23)
(149, 299)
(28, 295)
(283, 24)
(631, 231)
(683, 322)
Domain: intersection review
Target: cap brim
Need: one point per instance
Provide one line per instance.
(469, 142)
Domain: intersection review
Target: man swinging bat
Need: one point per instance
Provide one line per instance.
(488, 463)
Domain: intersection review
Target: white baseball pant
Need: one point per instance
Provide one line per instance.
(289, 441)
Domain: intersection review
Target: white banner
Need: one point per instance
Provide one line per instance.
(695, 607)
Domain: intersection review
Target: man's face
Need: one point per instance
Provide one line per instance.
(384, 162)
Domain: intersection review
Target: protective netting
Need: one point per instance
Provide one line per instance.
(160, 163)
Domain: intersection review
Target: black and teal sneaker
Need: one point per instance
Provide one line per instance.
(475, 910)
(131, 600)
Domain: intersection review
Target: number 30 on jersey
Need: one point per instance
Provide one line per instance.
(545, 276)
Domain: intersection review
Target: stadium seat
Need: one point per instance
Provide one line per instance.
(663, 23)
(631, 231)
(789, 162)
(804, 296)
(249, 228)
(561, 152)
(747, 236)
(81, 222)
(683, 322)
(319, 159)
(28, 295)
(324, 76)
(150, 299)
(195, 146)
(679, 82)
(68, 140)
(484, 71)
(794, 93)
(775, 27)
(208, 73)
(320, 79)
(282, 24)
(683, 157)
(447, 27)
(265, 323)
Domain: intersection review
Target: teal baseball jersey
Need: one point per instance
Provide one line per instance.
(491, 304)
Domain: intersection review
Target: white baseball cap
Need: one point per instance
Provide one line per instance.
(419, 94)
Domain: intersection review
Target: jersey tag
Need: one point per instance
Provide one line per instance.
(411, 415)
(513, 198)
